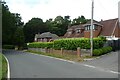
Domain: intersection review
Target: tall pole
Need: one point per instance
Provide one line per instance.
(91, 32)
(119, 12)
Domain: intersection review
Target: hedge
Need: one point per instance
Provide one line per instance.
(83, 43)
(41, 45)
(70, 43)
(101, 51)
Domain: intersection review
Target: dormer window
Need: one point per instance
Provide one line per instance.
(69, 32)
(88, 27)
(78, 31)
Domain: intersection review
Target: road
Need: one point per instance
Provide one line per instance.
(26, 65)
(108, 61)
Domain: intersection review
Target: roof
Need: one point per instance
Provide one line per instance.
(76, 27)
(109, 27)
(47, 35)
(94, 22)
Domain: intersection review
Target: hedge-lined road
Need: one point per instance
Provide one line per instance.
(25, 65)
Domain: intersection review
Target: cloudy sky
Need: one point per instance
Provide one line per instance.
(45, 9)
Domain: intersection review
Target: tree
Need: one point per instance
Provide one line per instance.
(79, 20)
(19, 37)
(59, 25)
(10, 22)
(32, 27)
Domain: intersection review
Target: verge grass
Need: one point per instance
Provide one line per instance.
(62, 56)
(3, 67)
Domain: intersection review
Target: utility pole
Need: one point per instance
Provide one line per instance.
(119, 12)
(91, 32)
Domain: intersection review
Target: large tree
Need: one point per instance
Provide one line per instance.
(10, 22)
(79, 20)
(32, 27)
(19, 37)
(59, 25)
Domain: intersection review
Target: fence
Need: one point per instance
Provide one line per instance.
(115, 44)
(78, 52)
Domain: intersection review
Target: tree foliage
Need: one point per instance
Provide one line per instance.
(10, 22)
(58, 26)
(32, 27)
(19, 37)
(79, 20)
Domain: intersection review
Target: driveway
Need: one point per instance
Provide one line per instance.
(108, 61)
(26, 65)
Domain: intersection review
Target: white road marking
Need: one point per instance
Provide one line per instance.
(90, 66)
(115, 72)
(101, 69)
(54, 58)
(8, 72)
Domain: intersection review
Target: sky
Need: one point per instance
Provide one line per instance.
(45, 9)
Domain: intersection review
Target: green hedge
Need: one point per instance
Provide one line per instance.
(83, 43)
(70, 43)
(8, 47)
(41, 45)
(101, 51)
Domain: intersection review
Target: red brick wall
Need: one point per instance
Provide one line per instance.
(95, 33)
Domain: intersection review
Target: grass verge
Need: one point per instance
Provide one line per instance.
(64, 56)
(3, 67)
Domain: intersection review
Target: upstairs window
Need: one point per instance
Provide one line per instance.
(88, 27)
(78, 31)
(69, 32)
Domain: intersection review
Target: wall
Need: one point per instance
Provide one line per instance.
(83, 52)
(95, 33)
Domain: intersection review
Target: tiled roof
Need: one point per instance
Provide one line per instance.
(94, 22)
(77, 26)
(46, 35)
(108, 27)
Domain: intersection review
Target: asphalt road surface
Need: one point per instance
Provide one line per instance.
(108, 61)
(26, 65)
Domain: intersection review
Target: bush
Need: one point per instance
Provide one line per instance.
(83, 43)
(104, 50)
(69, 43)
(8, 47)
(41, 45)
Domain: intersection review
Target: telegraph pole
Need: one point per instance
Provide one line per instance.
(91, 31)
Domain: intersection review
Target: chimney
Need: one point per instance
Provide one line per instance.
(101, 20)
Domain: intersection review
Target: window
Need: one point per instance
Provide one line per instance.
(69, 32)
(78, 31)
(88, 27)
(94, 27)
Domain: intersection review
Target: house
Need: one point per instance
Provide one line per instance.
(45, 37)
(108, 28)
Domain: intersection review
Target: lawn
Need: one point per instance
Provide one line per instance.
(3, 67)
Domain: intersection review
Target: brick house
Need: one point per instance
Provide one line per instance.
(45, 37)
(108, 28)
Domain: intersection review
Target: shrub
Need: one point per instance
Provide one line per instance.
(96, 52)
(70, 43)
(101, 51)
(73, 43)
(8, 47)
